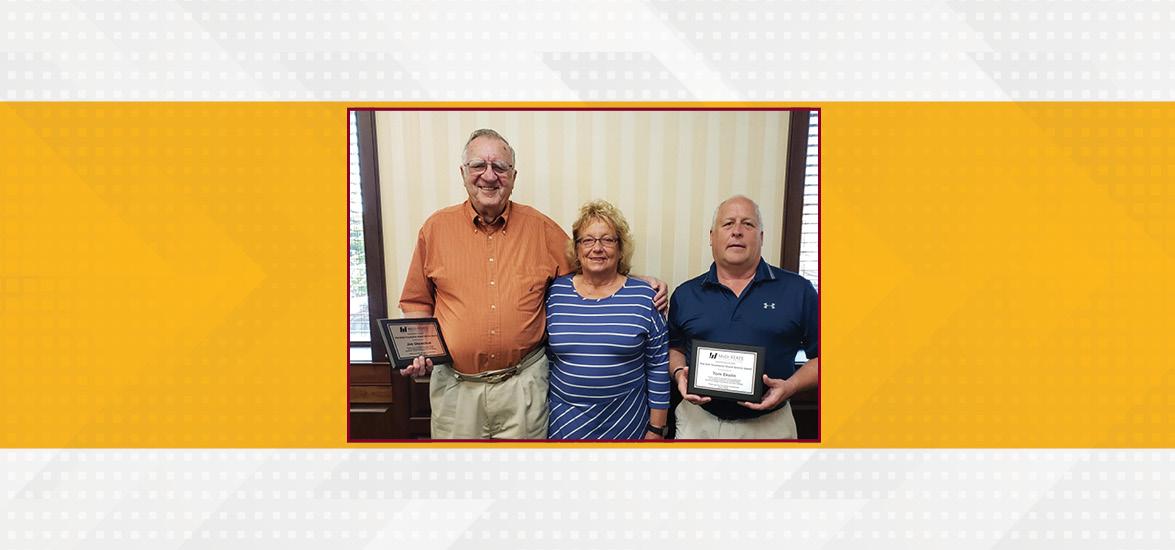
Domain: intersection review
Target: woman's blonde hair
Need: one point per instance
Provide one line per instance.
(602, 211)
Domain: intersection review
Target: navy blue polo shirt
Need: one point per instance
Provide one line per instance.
(778, 310)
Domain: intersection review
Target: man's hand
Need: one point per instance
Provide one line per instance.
(661, 298)
(651, 435)
(420, 366)
(778, 390)
(682, 379)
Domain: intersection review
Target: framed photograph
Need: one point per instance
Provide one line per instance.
(407, 339)
(727, 371)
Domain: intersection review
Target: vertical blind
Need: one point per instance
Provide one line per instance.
(810, 229)
(360, 328)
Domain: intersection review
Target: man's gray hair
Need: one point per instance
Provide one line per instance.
(486, 132)
(758, 214)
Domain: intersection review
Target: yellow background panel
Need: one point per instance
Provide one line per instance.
(174, 275)
(998, 275)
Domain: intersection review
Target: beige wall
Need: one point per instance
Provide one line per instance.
(666, 171)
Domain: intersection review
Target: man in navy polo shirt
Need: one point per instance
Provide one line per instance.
(744, 300)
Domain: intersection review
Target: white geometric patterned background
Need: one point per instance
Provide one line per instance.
(517, 498)
(667, 50)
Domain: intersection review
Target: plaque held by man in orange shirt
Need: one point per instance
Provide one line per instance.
(407, 339)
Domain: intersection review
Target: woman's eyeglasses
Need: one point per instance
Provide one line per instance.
(590, 242)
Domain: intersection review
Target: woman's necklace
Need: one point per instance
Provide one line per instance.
(597, 292)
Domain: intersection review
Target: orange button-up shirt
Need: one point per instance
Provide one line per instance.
(486, 283)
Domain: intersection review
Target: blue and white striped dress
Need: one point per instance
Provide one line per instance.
(609, 362)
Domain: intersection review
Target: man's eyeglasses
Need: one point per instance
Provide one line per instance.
(590, 242)
(477, 166)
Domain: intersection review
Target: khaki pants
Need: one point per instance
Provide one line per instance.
(693, 422)
(515, 408)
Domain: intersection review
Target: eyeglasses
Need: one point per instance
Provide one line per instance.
(590, 242)
(477, 166)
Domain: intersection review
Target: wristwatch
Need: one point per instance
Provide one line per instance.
(659, 431)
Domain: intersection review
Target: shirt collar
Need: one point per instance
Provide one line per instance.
(476, 220)
(763, 272)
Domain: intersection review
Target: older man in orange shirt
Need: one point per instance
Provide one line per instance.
(482, 268)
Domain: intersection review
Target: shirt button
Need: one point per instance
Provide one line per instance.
(493, 332)
(492, 306)
(491, 259)
(493, 355)
(491, 283)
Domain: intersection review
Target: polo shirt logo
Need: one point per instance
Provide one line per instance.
(768, 306)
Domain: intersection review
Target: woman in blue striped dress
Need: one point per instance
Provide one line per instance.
(607, 344)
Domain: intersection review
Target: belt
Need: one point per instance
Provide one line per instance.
(501, 375)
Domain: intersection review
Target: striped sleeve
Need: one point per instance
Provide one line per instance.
(657, 362)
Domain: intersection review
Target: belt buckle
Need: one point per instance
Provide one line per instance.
(502, 376)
